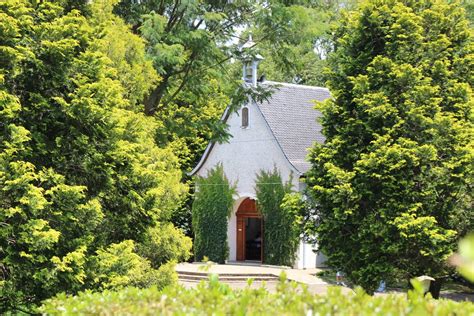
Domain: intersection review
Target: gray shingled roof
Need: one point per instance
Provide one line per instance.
(293, 120)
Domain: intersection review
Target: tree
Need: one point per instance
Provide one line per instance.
(469, 7)
(79, 168)
(393, 181)
(164, 243)
(119, 266)
(294, 37)
(186, 41)
(126, 51)
(213, 200)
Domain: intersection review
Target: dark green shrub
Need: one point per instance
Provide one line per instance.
(291, 209)
(211, 210)
(214, 298)
(280, 209)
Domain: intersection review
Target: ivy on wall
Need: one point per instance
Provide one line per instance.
(210, 213)
(280, 210)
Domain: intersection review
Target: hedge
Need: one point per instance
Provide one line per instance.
(280, 209)
(211, 210)
(215, 298)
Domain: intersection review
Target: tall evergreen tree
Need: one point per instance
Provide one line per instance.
(79, 169)
(394, 179)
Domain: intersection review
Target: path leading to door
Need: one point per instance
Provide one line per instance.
(236, 275)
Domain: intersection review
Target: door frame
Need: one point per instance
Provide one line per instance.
(247, 209)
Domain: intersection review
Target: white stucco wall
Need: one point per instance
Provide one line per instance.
(306, 257)
(249, 151)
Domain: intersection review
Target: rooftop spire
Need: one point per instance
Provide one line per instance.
(250, 60)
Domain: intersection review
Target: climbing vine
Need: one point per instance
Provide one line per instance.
(210, 213)
(280, 209)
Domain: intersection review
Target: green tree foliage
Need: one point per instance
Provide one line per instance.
(126, 51)
(120, 266)
(393, 181)
(164, 243)
(78, 168)
(211, 209)
(469, 7)
(217, 298)
(189, 44)
(186, 41)
(294, 39)
(188, 125)
(280, 210)
(46, 225)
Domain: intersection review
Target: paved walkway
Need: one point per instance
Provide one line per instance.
(303, 276)
(306, 276)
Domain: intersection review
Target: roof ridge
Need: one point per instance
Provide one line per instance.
(294, 85)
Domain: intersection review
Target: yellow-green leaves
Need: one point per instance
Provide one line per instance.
(215, 298)
(164, 243)
(415, 228)
(39, 235)
(126, 52)
(79, 168)
(9, 104)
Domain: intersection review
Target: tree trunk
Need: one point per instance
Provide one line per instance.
(153, 100)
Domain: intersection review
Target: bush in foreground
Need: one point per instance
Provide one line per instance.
(216, 298)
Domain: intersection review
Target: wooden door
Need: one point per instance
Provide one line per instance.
(240, 238)
(247, 209)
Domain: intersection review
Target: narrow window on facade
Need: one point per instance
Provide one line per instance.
(245, 117)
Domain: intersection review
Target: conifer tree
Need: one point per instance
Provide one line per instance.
(394, 179)
(79, 169)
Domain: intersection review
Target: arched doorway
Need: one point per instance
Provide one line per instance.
(249, 232)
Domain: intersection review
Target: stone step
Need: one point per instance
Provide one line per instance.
(249, 275)
(227, 277)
